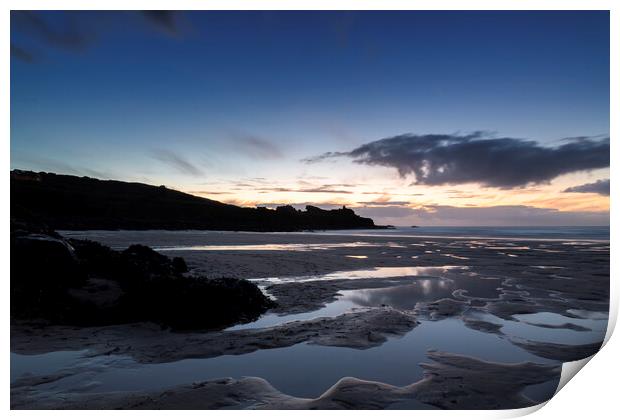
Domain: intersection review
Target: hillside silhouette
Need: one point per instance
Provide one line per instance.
(82, 203)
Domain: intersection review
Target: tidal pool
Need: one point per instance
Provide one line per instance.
(306, 370)
(42, 364)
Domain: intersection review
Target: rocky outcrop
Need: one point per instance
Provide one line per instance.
(44, 268)
(81, 282)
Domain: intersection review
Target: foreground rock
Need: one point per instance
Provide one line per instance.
(451, 381)
(43, 269)
(81, 282)
(149, 344)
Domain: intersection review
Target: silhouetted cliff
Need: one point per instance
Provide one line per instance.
(71, 202)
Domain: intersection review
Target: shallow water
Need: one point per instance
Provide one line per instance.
(309, 370)
(42, 364)
(519, 232)
(371, 273)
(339, 307)
(524, 329)
(426, 290)
(268, 247)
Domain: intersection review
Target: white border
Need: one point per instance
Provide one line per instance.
(591, 395)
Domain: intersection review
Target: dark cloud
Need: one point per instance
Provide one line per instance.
(69, 35)
(599, 187)
(256, 147)
(21, 54)
(504, 162)
(179, 163)
(164, 20)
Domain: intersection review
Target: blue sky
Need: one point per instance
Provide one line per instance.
(213, 101)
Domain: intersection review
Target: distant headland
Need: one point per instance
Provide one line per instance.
(67, 202)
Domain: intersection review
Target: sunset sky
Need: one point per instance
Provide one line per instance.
(428, 118)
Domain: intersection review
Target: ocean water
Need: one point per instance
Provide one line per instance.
(599, 233)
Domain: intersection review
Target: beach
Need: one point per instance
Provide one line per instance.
(390, 319)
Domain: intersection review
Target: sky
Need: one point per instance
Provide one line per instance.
(419, 117)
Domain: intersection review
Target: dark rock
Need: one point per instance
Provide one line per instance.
(144, 262)
(95, 258)
(43, 268)
(179, 265)
(195, 303)
(286, 210)
(81, 282)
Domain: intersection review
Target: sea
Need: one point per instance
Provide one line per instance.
(599, 233)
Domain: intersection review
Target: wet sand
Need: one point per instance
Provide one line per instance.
(392, 284)
(452, 381)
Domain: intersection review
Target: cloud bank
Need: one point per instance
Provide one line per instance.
(504, 162)
(599, 187)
